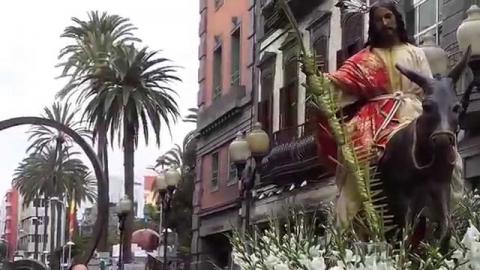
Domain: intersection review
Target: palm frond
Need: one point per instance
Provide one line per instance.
(35, 176)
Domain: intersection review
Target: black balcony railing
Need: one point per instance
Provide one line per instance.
(292, 134)
(294, 156)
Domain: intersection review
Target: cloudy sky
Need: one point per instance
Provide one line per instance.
(28, 54)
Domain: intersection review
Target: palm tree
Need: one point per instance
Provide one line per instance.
(192, 117)
(136, 95)
(42, 137)
(85, 62)
(34, 176)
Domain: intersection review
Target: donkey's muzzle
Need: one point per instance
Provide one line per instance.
(443, 138)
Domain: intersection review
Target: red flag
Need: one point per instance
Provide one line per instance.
(72, 217)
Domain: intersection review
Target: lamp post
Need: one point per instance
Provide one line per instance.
(70, 244)
(45, 255)
(124, 207)
(161, 187)
(254, 145)
(172, 177)
(468, 34)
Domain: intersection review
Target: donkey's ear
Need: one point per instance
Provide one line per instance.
(457, 71)
(413, 76)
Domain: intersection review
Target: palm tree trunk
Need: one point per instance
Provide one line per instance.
(55, 192)
(128, 159)
(102, 153)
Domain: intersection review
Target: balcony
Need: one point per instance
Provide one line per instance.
(294, 157)
(223, 108)
(470, 121)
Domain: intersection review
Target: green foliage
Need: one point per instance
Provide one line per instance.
(42, 136)
(122, 88)
(35, 175)
(192, 117)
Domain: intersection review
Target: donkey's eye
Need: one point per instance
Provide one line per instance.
(457, 108)
(427, 106)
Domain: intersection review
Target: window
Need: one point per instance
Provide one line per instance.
(235, 79)
(320, 35)
(38, 237)
(214, 181)
(232, 173)
(217, 69)
(218, 4)
(427, 14)
(289, 92)
(267, 78)
(39, 203)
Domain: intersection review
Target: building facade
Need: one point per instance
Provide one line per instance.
(10, 232)
(292, 174)
(149, 190)
(450, 15)
(34, 230)
(226, 56)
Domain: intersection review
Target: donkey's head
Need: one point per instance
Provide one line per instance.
(441, 107)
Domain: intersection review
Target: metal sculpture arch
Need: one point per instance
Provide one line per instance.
(102, 196)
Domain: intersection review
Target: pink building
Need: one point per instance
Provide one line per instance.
(11, 221)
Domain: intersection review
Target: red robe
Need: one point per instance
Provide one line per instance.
(365, 77)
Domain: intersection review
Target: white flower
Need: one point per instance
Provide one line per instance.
(348, 255)
(314, 251)
(281, 266)
(457, 254)
(317, 263)
(471, 235)
(450, 263)
(271, 261)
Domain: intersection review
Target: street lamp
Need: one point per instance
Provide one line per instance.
(172, 177)
(124, 208)
(436, 56)
(161, 187)
(256, 144)
(70, 244)
(45, 256)
(468, 34)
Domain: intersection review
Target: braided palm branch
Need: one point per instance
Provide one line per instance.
(322, 94)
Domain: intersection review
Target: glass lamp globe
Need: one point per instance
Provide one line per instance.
(468, 32)
(258, 140)
(239, 149)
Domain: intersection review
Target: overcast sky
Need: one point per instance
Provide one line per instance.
(28, 53)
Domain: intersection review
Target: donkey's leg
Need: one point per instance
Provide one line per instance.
(441, 203)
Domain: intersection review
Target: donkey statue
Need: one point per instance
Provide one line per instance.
(417, 165)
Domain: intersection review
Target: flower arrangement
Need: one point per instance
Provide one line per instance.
(301, 242)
